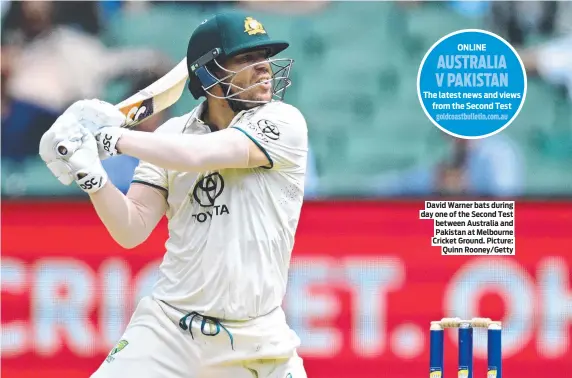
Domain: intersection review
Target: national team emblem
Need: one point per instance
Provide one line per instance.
(252, 27)
(118, 348)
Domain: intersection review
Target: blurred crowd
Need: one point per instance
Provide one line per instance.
(53, 55)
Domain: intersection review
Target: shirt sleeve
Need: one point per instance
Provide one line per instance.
(150, 174)
(281, 133)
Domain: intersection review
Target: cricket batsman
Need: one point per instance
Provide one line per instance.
(229, 176)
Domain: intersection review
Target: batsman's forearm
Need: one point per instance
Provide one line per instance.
(186, 152)
(128, 222)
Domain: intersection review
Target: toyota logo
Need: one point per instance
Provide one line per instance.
(269, 129)
(211, 187)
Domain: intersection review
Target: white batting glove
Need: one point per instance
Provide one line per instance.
(66, 135)
(107, 138)
(73, 158)
(95, 114)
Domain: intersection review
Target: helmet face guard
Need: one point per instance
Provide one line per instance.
(280, 77)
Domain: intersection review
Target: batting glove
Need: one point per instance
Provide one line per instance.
(107, 138)
(95, 114)
(73, 157)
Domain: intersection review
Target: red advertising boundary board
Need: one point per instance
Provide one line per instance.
(364, 285)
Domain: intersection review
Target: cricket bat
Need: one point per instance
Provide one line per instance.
(149, 101)
(156, 97)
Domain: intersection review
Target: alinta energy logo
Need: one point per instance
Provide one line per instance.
(205, 193)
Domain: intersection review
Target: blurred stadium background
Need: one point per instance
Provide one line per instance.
(365, 282)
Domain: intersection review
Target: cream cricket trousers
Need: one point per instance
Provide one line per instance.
(155, 345)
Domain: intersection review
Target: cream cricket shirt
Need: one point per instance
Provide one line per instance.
(231, 232)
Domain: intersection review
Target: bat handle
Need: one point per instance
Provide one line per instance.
(67, 147)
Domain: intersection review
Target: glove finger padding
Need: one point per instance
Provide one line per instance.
(70, 150)
(88, 172)
(81, 165)
(62, 171)
(64, 129)
(95, 114)
(57, 164)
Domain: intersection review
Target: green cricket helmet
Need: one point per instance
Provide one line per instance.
(226, 35)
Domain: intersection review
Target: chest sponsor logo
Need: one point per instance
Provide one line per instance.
(205, 193)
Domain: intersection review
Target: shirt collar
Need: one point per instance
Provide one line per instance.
(195, 118)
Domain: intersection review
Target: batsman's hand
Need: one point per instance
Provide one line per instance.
(71, 154)
(107, 138)
(95, 114)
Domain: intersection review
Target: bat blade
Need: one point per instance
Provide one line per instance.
(145, 103)
(156, 97)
